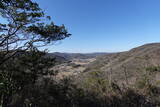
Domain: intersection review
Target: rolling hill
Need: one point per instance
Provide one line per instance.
(131, 64)
(71, 56)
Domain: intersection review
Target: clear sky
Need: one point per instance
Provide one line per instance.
(105, 25)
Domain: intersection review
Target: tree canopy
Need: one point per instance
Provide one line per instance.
(26, 26)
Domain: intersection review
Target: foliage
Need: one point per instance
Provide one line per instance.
(25, 27)
(24, 71)
(153, 69)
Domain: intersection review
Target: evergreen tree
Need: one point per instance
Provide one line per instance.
(26, 28)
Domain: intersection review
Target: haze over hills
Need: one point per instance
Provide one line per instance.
(70, 56)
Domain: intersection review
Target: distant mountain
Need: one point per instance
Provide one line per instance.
(70, 56)
(133, 62)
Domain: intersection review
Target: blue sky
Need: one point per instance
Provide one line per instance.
(104, 25)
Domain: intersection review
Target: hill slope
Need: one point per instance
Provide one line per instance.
(132, 63)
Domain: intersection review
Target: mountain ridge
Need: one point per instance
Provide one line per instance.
(134, 62)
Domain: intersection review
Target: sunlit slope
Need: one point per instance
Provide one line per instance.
(131, 63)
